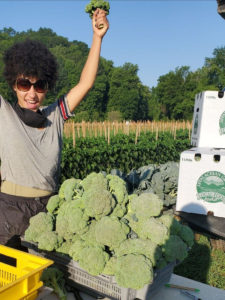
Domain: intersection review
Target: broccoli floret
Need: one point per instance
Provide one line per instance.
(132, 196)
(71, 219)
(67, 189)
(53, 204)
(174, 248)
(187, 235)
(64, 248)
(145, 206)
(38, 224)
(171, 223)
(176, 228)
(161, 263)
(93, 259)
(133, 271)
(118, 188)
(138, 246)
(110, 266)
(52, 277)
(149, 229)
(94, 180)
(110, 232)
(94, 4)
(98, 202)
(119, 211)
(49, 241)
(76, 248)
(89, 236)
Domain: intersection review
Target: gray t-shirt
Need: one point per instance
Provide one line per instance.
(29, 156)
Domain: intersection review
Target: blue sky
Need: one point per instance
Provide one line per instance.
(157, 35)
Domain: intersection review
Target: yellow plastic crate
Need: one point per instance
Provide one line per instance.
(20, 274)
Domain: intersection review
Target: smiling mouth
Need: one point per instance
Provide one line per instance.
(32, 102)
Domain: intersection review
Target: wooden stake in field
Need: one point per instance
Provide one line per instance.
(157, 134)
(95, 129)
(175, 131)
(83, 125)
(105, 130)
(74, 135)
(136, 136)
(108, 133)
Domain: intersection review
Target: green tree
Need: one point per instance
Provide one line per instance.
(215, 67)
(124, 91)
(173, 94)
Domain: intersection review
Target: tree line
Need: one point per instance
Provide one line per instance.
(118, 93)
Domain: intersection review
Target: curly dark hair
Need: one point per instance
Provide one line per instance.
(30, 58)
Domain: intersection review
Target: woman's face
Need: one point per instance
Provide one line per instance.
(28, 95)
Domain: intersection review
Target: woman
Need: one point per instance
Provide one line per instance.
(30, 137)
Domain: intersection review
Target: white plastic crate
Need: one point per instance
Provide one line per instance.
(208, 129)
(201, 182)
(103, 285)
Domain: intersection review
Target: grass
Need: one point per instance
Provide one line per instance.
(204, 263)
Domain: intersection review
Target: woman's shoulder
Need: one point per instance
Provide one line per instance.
(3, 102)
(59, 107)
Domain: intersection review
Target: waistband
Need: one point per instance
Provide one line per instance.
(22, 191)
(17, 199)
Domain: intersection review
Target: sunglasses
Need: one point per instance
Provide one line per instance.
(24, 85)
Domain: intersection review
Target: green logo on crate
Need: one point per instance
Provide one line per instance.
(211, 187)
(196, 124)
(222, 123)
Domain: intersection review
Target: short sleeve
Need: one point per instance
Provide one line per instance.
(64, 108)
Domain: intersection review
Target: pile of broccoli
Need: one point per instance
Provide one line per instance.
(108, 231)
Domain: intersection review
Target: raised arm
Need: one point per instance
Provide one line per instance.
(88, 75)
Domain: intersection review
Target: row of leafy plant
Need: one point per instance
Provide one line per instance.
(95, 154)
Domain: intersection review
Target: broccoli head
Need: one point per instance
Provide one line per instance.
(118, 188)
(67, 188)
(148, 229)
(186, 234)
(52, 277)
(49, 241)
(93, 259)
(176, 228)
(39, 223)
(174, 249)
(71, 219)
(53, 204)
(145, 206)
(98, 202)
(109, 231)
(171, 223)
(133, 271)
(138, 246)
(94, 180)
(94, 4)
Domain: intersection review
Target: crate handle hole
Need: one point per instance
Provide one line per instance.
(216, 158)
(220, 94)
(198, 156)
(8, 260)
(197, 109)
